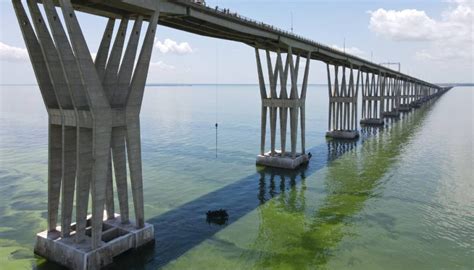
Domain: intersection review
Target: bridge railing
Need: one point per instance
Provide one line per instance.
(242, 18)
(268, 27)
(265, 26)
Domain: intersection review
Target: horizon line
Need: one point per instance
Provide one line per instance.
(204, 84)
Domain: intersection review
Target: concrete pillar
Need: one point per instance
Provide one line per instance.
(273, 110)
(293, 101)
(68, 179)
(110, 84)
(133, 106)
(293, 95)
(120, 93)
(391, 98)
(263, 95)
(103, 52)
(405, 96)
(84, 175)
(372, 100)
(343, 104)
(283, 75)
(55, 161)
(101, 121)
(120, 169)
(51, 102)
(118, 99)
(109, 191)
(77, 93)
(304, 90)
(62, 89)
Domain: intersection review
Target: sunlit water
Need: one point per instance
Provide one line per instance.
(402, 197)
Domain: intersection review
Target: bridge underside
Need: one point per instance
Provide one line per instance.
(206, 21)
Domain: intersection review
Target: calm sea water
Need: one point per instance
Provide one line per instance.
(402, 197)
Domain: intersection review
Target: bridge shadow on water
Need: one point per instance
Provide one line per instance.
(185, 227)
(179, 230)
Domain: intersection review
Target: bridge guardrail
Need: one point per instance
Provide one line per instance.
(268, 27)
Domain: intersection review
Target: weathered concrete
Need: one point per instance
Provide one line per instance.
(84, 130)
(342, 119)
(117, 238)
(294, 103)
(391, 98)
(343, 134)
(392, 114)
(372, 121)
(284, 161)
(372, 100)
(404, 108)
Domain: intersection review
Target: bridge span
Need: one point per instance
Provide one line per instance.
(94, 109)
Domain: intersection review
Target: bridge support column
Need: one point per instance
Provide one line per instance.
(416, 96)
(405, 97)
(342, 122)
(93, 113)
(294, 102)
(391, 98)
(372, 100)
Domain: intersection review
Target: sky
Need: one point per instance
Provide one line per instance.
(432, 39)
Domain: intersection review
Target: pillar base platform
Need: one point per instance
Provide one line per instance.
(372, 122)
(285, 162)
(404, 108)
(391, 114)
(343, 134)
(117, 238)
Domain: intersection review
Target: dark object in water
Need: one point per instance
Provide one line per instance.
(309, 155)
(218, 217)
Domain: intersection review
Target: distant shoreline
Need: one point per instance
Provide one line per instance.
(238, 84)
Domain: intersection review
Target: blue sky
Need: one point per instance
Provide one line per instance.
(433, 40)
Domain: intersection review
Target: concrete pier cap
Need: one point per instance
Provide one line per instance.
(404, 108)
(343, 134)
(283, 161)
(372, 122)
(391, 114)
(117, 238)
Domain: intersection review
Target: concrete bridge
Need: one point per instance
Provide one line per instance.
(94, 109)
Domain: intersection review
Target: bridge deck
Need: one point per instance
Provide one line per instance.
(187, 16)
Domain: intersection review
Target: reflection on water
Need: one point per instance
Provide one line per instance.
(185, 227)
(350, 181)
(337, 148)
(399, 197)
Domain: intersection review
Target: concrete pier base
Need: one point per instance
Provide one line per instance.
(285, 161)
(372, 122)
(343, 134)
(391, 114)
(404, 108)
(117, 238)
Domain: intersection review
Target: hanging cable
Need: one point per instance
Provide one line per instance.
(216, 90)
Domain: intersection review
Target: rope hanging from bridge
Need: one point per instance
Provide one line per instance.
(217, 94)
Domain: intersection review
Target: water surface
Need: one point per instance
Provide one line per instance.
(402, 197)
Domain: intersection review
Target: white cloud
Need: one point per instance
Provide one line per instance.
(162, 66)
(350, 50)
(171, 46)
(12, 54)
(450, 37)
(408, 24)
